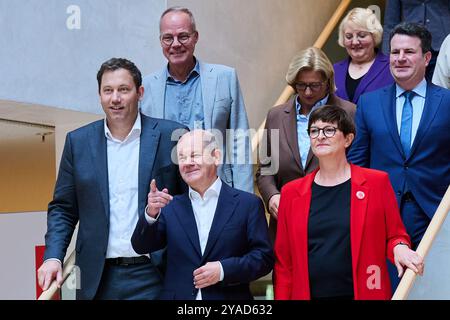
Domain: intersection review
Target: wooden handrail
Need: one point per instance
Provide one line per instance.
(439, 217)
(288, 90)
(69, 264)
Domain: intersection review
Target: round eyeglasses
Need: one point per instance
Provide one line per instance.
(183, 38)
(313, 86)
(328, 131)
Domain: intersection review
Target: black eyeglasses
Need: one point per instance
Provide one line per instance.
(314, 86)
(328, 131)
(183, 38)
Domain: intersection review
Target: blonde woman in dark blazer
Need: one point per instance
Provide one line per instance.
(311, 75)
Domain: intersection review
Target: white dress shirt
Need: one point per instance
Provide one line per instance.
(204, 211)
(123, 167)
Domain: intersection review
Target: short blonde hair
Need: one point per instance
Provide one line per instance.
(311, 59)
(364, 19)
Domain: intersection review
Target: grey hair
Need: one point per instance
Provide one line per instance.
(179, 9)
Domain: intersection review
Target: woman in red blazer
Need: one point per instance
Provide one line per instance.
(338, 224)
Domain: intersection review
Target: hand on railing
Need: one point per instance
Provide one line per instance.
(55, 281)
(424, 247)
(50, 270)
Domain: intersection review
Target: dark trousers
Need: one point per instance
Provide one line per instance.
(129, 282)
(416, 222)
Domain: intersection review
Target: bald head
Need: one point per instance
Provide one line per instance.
(198, 159)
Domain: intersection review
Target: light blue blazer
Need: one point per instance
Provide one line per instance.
(223, 107)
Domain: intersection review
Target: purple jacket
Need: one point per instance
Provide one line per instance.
(377, 77)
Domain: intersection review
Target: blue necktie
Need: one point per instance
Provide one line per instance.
(406, 124)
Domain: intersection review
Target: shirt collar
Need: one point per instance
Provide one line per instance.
(318, 104)
(213, 190)
(195, 71)
(419, 90)
(135, 130)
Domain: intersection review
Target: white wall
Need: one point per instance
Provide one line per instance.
(435, 283)
(20, 233)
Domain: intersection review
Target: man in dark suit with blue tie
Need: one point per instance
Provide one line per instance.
(216, 236)
(403, 129)
(103, 184)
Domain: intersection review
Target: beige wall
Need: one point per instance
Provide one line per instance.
(27, 168)
(258, 38)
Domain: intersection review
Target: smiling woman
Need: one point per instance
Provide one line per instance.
(366, 69)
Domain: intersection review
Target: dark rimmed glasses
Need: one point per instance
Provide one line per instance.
(313, 86)
(328, 131)
(183, 38)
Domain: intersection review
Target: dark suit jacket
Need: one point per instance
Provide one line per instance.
(238, 239)
(290, 167)
(375, 229)
(82, 193)
(434, 14)
(377, 77)
(377, 145)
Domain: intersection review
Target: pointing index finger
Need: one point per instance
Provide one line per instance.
(153, 186)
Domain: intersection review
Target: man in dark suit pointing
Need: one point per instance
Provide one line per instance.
(216, 236)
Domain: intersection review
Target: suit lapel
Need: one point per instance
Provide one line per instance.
(97, 141)
(147, 151)
(340, 76)
(388, 106)
(358, 208)
(374, 71)
(430, 110)
(208, 81)
(158, 89)
(302, 205)
(290, 130)
(185, 215)
(226, 206)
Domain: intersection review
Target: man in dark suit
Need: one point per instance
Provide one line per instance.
(216, 236)
(103, 183)
(403, 130)
(433, 14)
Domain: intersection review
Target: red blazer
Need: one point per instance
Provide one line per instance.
(375, 228)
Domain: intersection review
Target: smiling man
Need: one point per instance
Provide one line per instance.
(216, 236)
(103, 183)
(403, 130)
(200, 96)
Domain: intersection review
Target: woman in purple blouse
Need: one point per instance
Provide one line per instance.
(366, 69)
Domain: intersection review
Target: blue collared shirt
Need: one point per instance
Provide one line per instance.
(418, 104)
(302, 126)
(183, 100)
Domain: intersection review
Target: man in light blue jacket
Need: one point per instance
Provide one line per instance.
(200, 96)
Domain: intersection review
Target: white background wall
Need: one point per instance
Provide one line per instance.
(19, 234)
